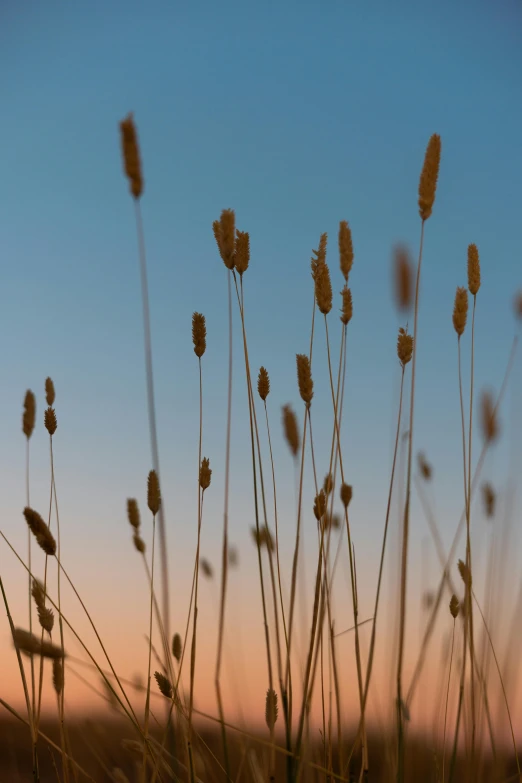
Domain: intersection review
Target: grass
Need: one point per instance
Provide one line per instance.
(174, 741)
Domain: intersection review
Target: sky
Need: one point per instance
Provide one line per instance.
(297, 115)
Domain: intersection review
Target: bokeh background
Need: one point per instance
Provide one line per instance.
(297, 115)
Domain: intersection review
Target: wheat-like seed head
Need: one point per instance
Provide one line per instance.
(133, 513)
(204, 474)
(263, 384)
(29, 416)
(425, 468)
(320, 505)
(263, 538)
(465, 573)
(242, 252)
(57, 676)
(429, 176)
(49, 391)
(404, 347)
(291, 429)
(153, 492)
(347, 309)
(454, 606)
(328, 484)
(139, 543)
(323, 288)
(131, 155)
(46, 618)
(224, 233)
(176, 647)
(50, 421)
(346, 494)
(321, 255)
(345, 248)
(40, 531)
(489, 419)
(271, 710)
(489, 497)
(29, 643)
(163, 684)
(207, 569)
(38, 593)
(460, 310)
(199, 334)
(473, 270)
(403, 277)
(304, 378)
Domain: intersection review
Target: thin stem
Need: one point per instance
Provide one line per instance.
(446, 709)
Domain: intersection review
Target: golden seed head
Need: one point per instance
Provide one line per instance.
(139, 543)
(323, 288)
(153, 492)
(321, 256)
(199, 334)
(320, 505)
(460, 310)
(29, 416)
(263, 538)
(489, 419)
(271, 710)
(304, 378)
(465, 573)
(429, 176)
(454, 606)
(163, 684)
(204, 474)
(328, 484)
(40, 531)
(133, 513)
(473, 270)
(29, 643)
(46, 618)
(489, 497)
(346, 494)
(403, 274)
(49, 391)
(518, 305)
(347, 310)
(242, 251)
(263, 384)
(404, 347)
(224, 231)
(57, 676)
(38, 593)
(176, 647)
(207, 569)
(345, 248)
(291, 429)
(131, 155)
(425, 468)
(50, 421)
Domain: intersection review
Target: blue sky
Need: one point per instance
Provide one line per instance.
(297, 115)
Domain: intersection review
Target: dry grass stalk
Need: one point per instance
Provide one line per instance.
(271, 709)
(345, 249)
(460, 310)
(473, 270)
(49, 391)
(454, 606)
(489, 497)
(30, 644)
(40, 531)
(224, 230)
(347, 309)
(489, 419)
(304, 378)
(242, 252)
(263, 384)
(29, 416)
(291, 429)
(153, 492)
(403, 277)
(57, 676)
(131, 155)
(133, 513)
(50, 422)
(429, 176)
(346, 494)
(404, 347)
(323, 288)
(163, 684)
(205, 474)
(425, 468)
(199, 334)
(176, 647)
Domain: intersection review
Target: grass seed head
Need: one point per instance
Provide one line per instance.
(163, 684)
(473, 270)
(29, 417)
(403, 277)
(49, 391)
(320, 505)
(404, 347)
(345, 248)
(464, 573)
(263, 384)
(176, 647)
(38, 593)
(489, 497)
(207, 569)
(50, 422)
(323, 288)
(489, 419)
(131, 155)
(57, 676)
(460, 310)
(271, 710)
(425, 468)
(346, 494)
(321, 256)
(199, 334)
(29, 643)
(347, 309)
(133, 513)
(224, 233)
(139, 543)
(328, 484)
(242, 251)
(304, 378)
(46, 618)
(40, 531)
(205, 474)
(263, 538)
(291, 429)
(454, 606)
(153, 492)
(429, 176)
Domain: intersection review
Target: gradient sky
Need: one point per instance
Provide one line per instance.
(297, 115)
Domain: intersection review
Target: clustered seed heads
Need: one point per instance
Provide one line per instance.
(291, 429)
(131, 156)
(204, 474)
(40, 531)
(224, 231)
(153, 492)
(403, 276)
(29, 416)
(429, 176)
(473, 270)
(460, 310)
(347, 309)
(345, 248)
(404, 347)
(263, 384)
(304, 378)
(199, 334)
